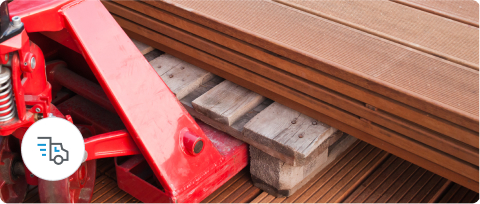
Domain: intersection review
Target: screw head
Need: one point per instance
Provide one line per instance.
(314, 122)
(31, 175)
(170, 76)
(182, 68)
(37, 110)
(300, 136)
(159, 66)
(294, 121)
(25, 64)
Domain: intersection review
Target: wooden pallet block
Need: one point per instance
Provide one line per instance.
(180, 76)
(290, 132)
(227, 102)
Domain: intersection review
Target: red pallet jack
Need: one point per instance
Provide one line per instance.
(131, 114)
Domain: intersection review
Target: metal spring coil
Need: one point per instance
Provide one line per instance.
(7, 105)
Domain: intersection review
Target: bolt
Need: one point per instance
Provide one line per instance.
(314, 122)
(17, 21)
(300, 136)
(170, 76)
(25, 63)
(37, 110)
(31, 175)
(33, 63)
(294, 121)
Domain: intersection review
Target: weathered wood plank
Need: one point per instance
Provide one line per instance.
(181, 77)
(142, 47)
(227, 102)
(290, 132)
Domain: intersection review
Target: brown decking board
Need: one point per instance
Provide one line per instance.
(465, 11)
(176, 46)
(370, 62)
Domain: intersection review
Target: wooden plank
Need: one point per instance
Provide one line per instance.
(279, 62)
(439, 142)
(381, 17)
(268, 89)
(142, 47)
(180, 76)
(290, 132)
(380, 69)
(227, 102)
(465, 11)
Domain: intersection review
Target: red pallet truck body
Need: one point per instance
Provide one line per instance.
(189, 160)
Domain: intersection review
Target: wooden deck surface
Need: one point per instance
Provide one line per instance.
(362, 174)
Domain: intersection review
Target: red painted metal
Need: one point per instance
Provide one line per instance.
(160, 127)
(132, 172)
(112, 144)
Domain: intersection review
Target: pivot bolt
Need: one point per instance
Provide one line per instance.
(33, 63)
(17, 21)
(37, 110)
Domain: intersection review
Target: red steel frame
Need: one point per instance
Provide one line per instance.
(160, 127)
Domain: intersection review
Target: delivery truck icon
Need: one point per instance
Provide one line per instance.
(56, 153)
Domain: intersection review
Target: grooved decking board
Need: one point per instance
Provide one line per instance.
(227, 102)
(181, 77)
(364, 174)
(440, 143)
(402, 24)
(465, 11)
(142, 47)
(400, 73)
(212, 64)
(290, 132)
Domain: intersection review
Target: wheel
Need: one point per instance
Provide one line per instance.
(13, 185)
(58, 160)
(78, 188)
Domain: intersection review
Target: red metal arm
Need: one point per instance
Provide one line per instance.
(112, 144)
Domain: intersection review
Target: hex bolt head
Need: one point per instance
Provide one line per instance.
(17, 21)
(37, 110)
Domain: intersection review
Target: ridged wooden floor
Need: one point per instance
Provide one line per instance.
(363, 174)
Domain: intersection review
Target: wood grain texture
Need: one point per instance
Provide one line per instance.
(227, 102)
(181, 77)
(268, 89)
(290, 132)
(465, 11)
(401, 24)
(142, 47)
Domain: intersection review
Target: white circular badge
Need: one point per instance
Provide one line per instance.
(53, 149)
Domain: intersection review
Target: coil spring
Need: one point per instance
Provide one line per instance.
(7, 105)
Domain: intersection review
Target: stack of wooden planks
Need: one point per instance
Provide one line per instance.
(403, 78)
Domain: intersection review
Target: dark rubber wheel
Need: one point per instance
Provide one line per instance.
(77, 188)
(13, 185)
